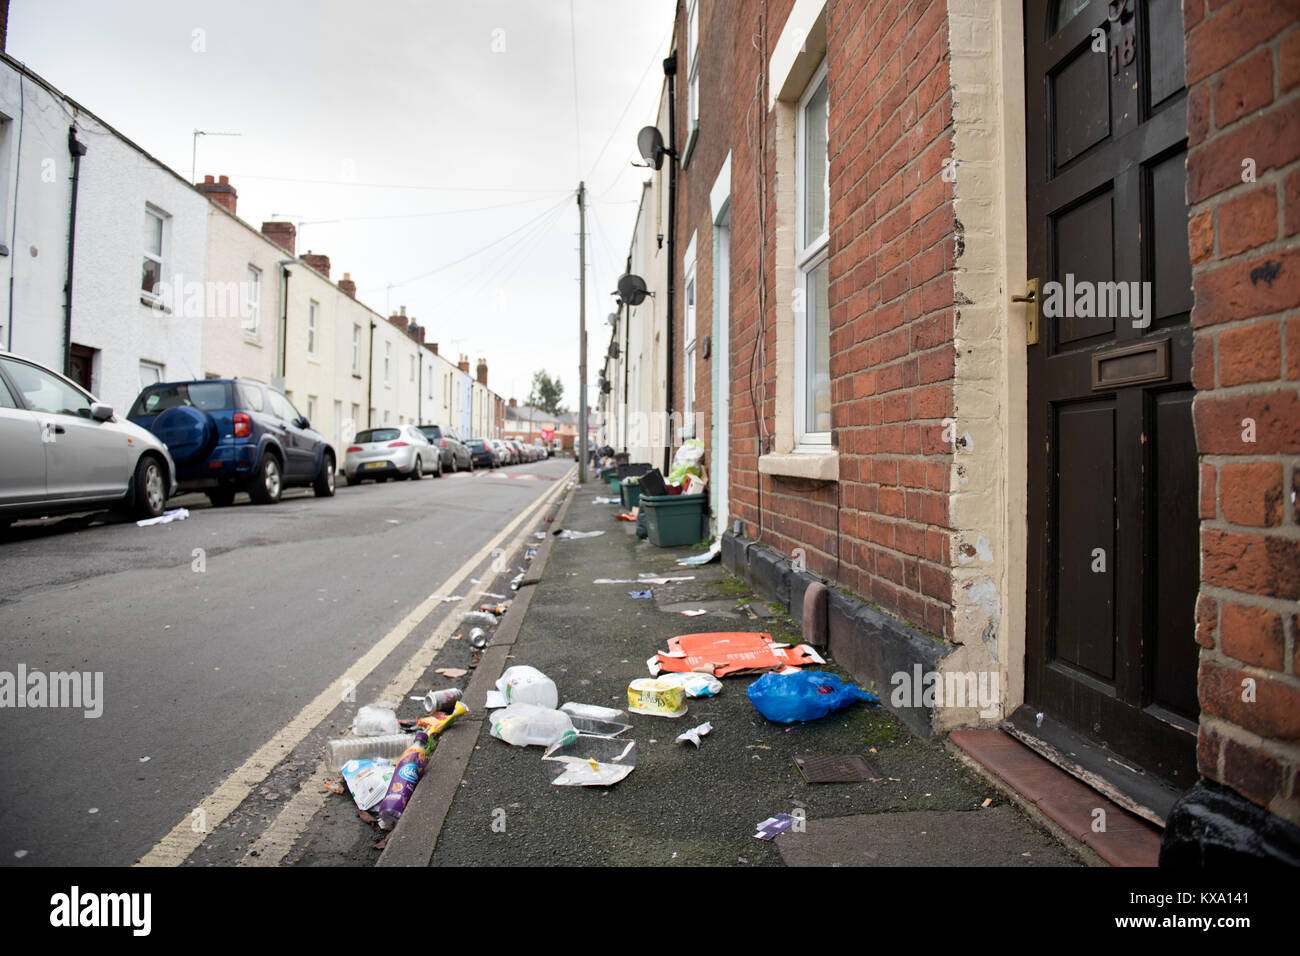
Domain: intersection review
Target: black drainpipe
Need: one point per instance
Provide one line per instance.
(76, 150)
(284, 324)
(670, 71)
(370, 376)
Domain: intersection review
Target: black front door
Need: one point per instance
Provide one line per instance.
(1113, 548)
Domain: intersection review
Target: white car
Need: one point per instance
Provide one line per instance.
(61, 450)
(391, 451)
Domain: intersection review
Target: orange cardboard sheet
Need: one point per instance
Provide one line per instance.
(730, 652)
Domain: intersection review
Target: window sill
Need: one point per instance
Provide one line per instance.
(690, 144)
(814, 465)
(155, 305)
(251, 338)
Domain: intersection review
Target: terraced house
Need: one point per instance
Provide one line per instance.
(987, 313)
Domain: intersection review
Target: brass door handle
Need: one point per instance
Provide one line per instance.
(1030, 299)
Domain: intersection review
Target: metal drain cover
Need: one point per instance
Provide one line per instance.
(848, 768)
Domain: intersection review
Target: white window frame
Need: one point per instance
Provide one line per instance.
(311, 408)
(253, 304)
(158, 373)
(388, 363)
(155, 299)
(356, 349)
(690, 300)
(412, 370)
(692, 78)
(808, 256)
(313, 326)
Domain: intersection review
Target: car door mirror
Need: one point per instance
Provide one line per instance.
(303, 423)
(100, 412)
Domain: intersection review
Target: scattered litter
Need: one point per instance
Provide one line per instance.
(774, 825)
(596, 721)
(645, 695)
(987, 802)
(522, 684)
(497, 609)
(803, 695)
(695, 613)
(451, 673)
(386, 747)
(382, 844)
(334, 786)
(410, 768)
(478, 638)
(606, 501)
(368, 780)
(145, 759)
(526, 725)
(365, 817)
(392, 521)
(479, 617)
(647, 593)
(517, 580)
(729, 652)
(530, 554)
(19, 854)
(439, 701)
(847, 768)
(374, 722)
(167, 517)
(694, 734)
(539, 535)
(1038, 719)
(715, 549)
(567, 535)
(627, 515)
(450, 600)
(499, 597)
(589, 761)
(695, 685)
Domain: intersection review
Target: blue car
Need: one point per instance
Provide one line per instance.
(228, 436)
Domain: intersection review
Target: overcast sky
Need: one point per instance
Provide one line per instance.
(406, 120)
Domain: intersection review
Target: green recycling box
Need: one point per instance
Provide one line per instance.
(631, 492)
(674, 520)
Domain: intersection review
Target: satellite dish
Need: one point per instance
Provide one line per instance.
(632, 289)
(651, 143)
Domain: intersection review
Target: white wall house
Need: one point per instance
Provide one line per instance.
(140, 237)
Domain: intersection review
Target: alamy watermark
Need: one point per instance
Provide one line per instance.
(23, 689)
(1098, 300)
(922, 688)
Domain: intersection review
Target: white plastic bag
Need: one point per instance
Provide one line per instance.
(525, 725)
(522, 684)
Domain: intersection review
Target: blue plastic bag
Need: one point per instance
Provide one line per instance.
(803, 695)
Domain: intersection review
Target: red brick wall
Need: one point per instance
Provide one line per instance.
(1243, 79)
(882, 529)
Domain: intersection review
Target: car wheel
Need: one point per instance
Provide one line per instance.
(266, 484)
(381, 479)
(455, 465)
(221, 497)
(351, 480)
(418, 471)
(324, 483)
(150, 488)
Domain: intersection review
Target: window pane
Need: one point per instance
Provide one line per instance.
(45, 392)
(151, 276)
(818, 383)
(815, 172)
(153, 227)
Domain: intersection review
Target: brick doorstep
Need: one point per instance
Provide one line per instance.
(1067, 802)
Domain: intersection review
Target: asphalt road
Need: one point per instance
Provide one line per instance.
(211, 635)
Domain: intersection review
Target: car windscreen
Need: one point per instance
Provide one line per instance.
(377, 434)
(431, 432)
(476, 443)
(206, 396)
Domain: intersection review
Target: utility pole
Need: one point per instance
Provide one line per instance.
(582, 334)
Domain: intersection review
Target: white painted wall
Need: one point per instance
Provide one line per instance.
(117, 182)
(229, 349)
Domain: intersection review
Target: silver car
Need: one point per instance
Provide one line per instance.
(61, 450)
(390, 451)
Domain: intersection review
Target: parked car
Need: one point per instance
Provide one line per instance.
(455, 454)
(391, 452)
(233, 435)
(481, 453)
(500, 454)
(61, 450)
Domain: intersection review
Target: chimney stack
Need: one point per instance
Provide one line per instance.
(435, 348)
(463, 364)
(420, 331)
(347, 286)
(513, 403)
(222, 193)
(319, 262)
(482, 372)
(283, 234)
(399, 319)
